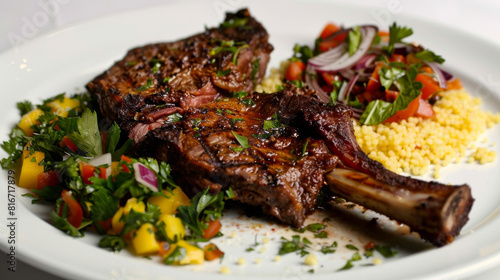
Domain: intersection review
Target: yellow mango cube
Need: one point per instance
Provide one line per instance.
(132, 203)
(61, 108)
(168, 204)
(144, 240)
(29, 119)
(30, 168)
(191, 254)
(174, 228)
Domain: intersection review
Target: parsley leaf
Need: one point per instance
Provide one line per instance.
(386, 251)
(378, 111)
(113, 242)
(329, 249)
(294, 245)
(429, 56)
(148, 84)
(354, 39)
(221, 73)
(242, 140)
(273, 123)
(87, 137)
(24, 107)
(396, 35)
(234, 22)
(204, 208)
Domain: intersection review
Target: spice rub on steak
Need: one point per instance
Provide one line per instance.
(190, 103)
(226, 144)
(276, 151)
(156, 80)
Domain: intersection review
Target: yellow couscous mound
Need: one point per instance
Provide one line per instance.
(413, 145)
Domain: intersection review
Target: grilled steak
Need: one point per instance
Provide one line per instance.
(156, 80)
(276, 151)
(229, 144)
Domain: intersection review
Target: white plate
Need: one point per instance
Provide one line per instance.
(66, 60)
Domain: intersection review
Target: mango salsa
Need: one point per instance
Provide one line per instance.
(61, 108)
(144, 241)
(182, 253)
(132, 203)
(168, 204)
(29, 119)
(30, 168)
(173, 227)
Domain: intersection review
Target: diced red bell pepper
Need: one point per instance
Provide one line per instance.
(294, 70)
(430, 85)
(212, 229)
(75, 212)
(66, 142)
(87, 171)
(48, 179)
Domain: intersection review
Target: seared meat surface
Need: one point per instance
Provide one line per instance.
(277, 154)
(156, 80)
(226, 144)
(190, 103)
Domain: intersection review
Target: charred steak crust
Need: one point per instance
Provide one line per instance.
(284, 165)
(281, 171)
(151, 80)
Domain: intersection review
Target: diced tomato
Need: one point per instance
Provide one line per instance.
(124, 166)
(454, 84)
(383, 33)
(330, 78)
(430, 86)
(105, 225)
(426, 69)
(398, 58)
(391, 95)
(66, 142)
(102, 174)
(126, 158)
(48, 179)
(329, 29)
(212, 229)
(212, 252)
(424, 109)
(328, 43)
(370, 245)
(406, 113)
(87, 171)
(294, 70)
(374, 82)
(75, 212)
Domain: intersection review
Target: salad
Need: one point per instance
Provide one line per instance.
(381, 77)
(67, 157)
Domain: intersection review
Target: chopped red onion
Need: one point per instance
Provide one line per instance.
(351, 84)
(146, 176)
(365, 61)
(313, 83)
(331, 61)
(439, 74)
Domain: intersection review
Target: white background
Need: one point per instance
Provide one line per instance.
(23, 18)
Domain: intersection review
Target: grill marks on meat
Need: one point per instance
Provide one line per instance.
(282, 172)
(182, 74)
(284, 168)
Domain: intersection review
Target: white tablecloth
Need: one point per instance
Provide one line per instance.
(480, 17)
